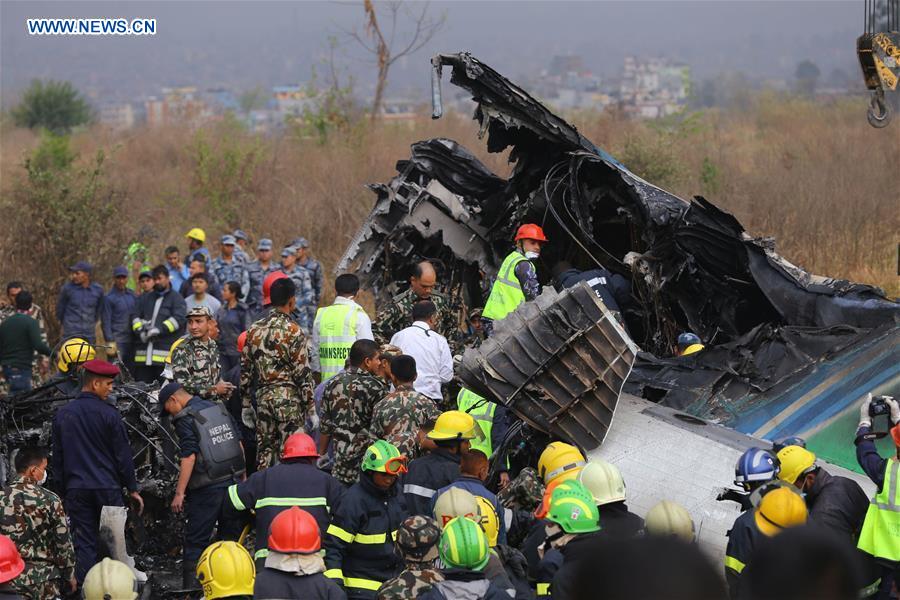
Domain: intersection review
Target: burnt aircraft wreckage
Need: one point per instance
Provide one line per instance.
(787, 352)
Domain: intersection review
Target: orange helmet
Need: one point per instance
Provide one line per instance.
(294, 531)
(242, 339)
(11, 563)
(530, 231)
(267, 285)
(299, 445)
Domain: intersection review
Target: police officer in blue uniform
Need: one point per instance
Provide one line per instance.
(212, 458)
(92, 460)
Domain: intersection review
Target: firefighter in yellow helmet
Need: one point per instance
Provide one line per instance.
(110, 579)
(226, 570)
(560, 460)
(452, 435)
(780, 508)
(836, 503)
(73, 353)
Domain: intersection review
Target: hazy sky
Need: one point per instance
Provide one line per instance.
(242, 44)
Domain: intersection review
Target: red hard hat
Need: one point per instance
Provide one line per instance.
(294, 531)
(242, 339)
(299, 445)
(895, 434)
(11, 563)
(267, 285)
(530, 231)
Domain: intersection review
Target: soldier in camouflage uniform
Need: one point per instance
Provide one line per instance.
(229, 268)
(33, 517)
(347, 403)
(258, 269)
(417, 542)
(315, 270)
(525, 492)
(303, 282)
(400, 416)
(398, 314)
(275, 359)
(195, 362)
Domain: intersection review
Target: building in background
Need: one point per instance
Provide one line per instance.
(654, 87)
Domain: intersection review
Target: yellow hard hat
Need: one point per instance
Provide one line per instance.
(490, 522)
(456, 502)
(197, 234)
(669, 518)
(560, 460)
(604, 481)
(779, 509)
(74, 352)
(796, 461)
(110, 579)
(225, 569)
(454, 425)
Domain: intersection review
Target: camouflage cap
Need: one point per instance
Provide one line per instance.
(200, 311)
(417, 538)
(389, 351)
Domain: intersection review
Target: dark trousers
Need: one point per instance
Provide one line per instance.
(19, 380)
(83, 508)
(147, 374)
(203, 509)
(229, 361)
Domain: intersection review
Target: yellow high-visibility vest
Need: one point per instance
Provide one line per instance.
(336, 325)
(880, 535)
(506, 293)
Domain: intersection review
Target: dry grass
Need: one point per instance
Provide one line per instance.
(817, 178)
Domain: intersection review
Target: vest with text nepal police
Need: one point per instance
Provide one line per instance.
(220, 457)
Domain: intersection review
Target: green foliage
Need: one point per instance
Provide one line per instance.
(332, 105)
(710, 177)
(61, 211)
(654, 152)
(225, 171)
(55, 105)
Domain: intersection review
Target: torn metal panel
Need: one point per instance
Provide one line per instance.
(558, 362)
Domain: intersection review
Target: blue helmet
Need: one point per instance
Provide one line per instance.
(756, 465)
(688, 339)
(793, 440)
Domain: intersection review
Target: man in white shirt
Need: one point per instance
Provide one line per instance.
(336, 327)
(434, 362)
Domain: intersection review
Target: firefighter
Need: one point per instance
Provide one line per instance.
(605, 483)
(110, 579)
(571, 523)
(517, 278)
(780, 508)
(359, 546)
(755, 469)
(294, 565)
(160, 318)
(225, 570)
(293, 481)
(452, 434)
(211, 459)
(464, 550)
(669, 519)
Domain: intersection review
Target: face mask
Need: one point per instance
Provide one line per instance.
(43, 478)
(159, 287)
(531, 255)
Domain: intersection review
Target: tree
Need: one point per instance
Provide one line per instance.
(252, 100)
(807, 76)
(386, 45)
(55, 105)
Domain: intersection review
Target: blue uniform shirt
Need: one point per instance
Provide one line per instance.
(177, 276)
(78, 310)
(90, 446)
(118, 308)
(868, 458)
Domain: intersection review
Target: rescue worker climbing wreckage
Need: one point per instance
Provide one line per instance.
(517, 279)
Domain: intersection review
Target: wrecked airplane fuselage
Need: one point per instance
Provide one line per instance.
(692, 266)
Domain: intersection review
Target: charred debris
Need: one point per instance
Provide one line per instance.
(692, 266)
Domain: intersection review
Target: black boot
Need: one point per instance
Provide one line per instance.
(189, 576)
